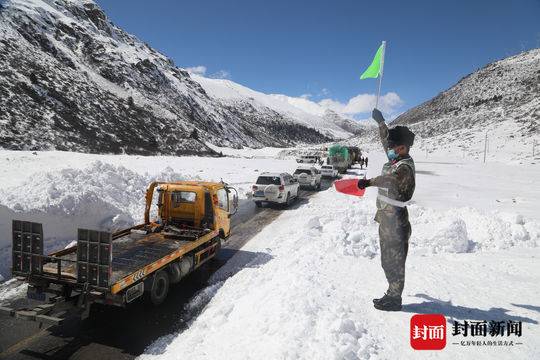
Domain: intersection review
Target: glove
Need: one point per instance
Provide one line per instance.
(377, 116)
(363, 183)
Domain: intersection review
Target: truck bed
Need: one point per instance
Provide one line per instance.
(130, 253)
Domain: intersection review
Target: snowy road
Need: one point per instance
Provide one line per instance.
(114, 333)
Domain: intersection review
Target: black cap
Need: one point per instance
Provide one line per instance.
(400, 135)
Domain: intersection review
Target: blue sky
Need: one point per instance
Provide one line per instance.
(319, 48)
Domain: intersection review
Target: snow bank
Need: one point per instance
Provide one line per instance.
(456, 230)
(303, 294)
(12, 289)
(100, 196)
(467, 229)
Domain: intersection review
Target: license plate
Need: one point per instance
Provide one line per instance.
(259, 193)
(36, 295)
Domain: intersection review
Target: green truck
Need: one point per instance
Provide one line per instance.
(343, 157)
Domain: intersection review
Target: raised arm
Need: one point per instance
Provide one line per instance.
(383, 129)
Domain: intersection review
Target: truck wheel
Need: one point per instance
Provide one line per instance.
(175, 273)
(218, 247)
(258, 204)
(160, 288)
(179, 269)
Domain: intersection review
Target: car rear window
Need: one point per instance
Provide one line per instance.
(268, 180)
(302, 171)
(179, 197)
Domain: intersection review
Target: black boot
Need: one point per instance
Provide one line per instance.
(376, 301)
(388, 303)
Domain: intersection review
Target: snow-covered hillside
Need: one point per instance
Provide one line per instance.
(71, 80)
(231, 93)
(502, 99)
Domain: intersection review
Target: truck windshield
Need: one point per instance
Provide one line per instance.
(268, 180)
(302, 171)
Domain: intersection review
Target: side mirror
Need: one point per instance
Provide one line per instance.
(234, 201)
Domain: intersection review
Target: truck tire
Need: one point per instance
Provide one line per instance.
(179, 269)
(218, 247)
(160, 288)
(258, 204)
(175, 273)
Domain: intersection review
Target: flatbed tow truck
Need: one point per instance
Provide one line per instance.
(193, 217)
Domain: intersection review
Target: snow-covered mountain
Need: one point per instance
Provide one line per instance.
(71, 80)
(230, 93)
(502, 98)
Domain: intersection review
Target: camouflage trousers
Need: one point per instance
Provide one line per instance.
(394, 234)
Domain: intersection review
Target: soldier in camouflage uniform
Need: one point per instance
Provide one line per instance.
(396, 187)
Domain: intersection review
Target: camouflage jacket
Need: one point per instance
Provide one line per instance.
(396, 184)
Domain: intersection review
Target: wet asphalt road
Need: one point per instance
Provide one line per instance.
(124, 333)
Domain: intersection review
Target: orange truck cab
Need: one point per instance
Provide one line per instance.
(193, 203)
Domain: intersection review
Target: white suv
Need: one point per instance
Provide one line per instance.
(308, 176)
(275, 188)
(329, 171)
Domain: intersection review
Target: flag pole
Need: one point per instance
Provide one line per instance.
(381, 74)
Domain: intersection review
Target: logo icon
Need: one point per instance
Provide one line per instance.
(428, 332)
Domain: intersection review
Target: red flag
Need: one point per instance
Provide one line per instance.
(349, 187)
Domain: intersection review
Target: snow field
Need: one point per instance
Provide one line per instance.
(12, 289)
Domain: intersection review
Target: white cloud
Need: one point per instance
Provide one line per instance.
(221, 74)
(358, 107)
(307, 105)
(364, 103)
(197, 70)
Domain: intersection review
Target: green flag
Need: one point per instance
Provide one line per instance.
(374, 70)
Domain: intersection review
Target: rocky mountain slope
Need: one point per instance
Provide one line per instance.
(230, 93)
(71, 80)
(501, 99)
